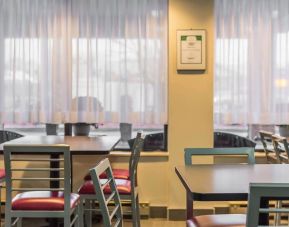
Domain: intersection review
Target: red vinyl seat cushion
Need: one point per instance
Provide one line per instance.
(123, 187)
(117, 174)
(218, 220)
(42, 200)
(2, 174)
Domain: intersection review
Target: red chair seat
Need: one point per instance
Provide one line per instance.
(42, 200)
(2, 174)
(117, 174)
(123, 187)
(218, 220)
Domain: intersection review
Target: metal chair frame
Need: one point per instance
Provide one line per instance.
(249, 151)
(268, 190)
(104, 199)
(133, 196)
(4, 137)
(10, 160)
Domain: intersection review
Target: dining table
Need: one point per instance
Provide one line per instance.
(228, 182)
(79, 145)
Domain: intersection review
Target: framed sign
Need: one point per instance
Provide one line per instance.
(191, 49)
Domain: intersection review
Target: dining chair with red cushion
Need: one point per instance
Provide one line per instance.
(106, 193)
(35, 198)
(257, 192)
(127, 188)
(4, 137)
(218, 220)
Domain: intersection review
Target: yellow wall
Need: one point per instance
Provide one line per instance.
(190, 95)
(190, 113)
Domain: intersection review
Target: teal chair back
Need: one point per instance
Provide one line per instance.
(105, 199)
(265, 190)
(249, 151)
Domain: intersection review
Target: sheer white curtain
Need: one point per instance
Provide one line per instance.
(252, 62)
(83, 61)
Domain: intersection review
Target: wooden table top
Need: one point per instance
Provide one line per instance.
(228, 182)
(82, 145)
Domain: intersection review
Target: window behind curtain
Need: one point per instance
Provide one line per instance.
(251, 62)
(84, 61)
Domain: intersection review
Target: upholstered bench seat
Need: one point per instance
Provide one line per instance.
(42, 200)
(117, 174)
(218, 220)
(123, 187)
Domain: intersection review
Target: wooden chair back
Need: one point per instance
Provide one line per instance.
(266, 139)
(281, 148)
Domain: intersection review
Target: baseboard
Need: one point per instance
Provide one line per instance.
(158, 212)
(181, 214)
(177, 214)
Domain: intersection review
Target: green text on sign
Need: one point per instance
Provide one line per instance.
(183, 38)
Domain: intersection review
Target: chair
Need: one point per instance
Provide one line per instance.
(266, 139)
(121, 173)
(281, 148)
(258, 191)
(105, 192)
(248, 151)
(224, 139)
(34, 198)
(127, 188)
(8, 135)
(4, 137)
(221, 219)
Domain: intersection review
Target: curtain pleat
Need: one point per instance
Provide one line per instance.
(251, 62)
(83, 61)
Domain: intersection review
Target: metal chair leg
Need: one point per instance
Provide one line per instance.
(80, 214)
(137, 211)
(135, 215)
(87, 212)
(8, 220)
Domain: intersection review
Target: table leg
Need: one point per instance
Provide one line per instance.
(189, 205)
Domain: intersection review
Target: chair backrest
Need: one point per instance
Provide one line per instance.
(104, 198)
(266, 139)
(249, 151)
(258, 191)
(8, 135)
(281, 148)
(224, 139)
(134, 158)
(35, 174)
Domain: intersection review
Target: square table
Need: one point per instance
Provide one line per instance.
(227, 182)
(79, 145)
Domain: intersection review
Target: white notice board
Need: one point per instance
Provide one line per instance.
(191, 49)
